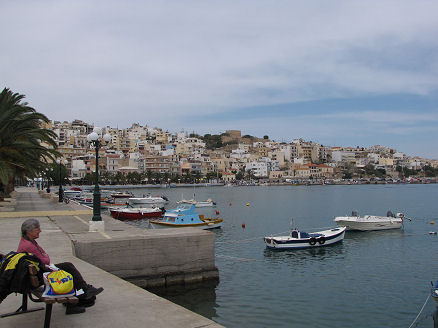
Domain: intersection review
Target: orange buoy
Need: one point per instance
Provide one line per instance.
(247, 204)
(243, 225)
(217, 212)
(231, 204)
(431, 222)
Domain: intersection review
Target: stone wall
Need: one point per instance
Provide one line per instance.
(160, 258)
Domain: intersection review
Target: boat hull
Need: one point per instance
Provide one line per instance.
(369, 223)
(325, 238)
(435, 294)
(204, 204)
(147, 201)
(198, 204)
(215, 224)
(135, 214)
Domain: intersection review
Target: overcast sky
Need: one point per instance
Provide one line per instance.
(340, 73)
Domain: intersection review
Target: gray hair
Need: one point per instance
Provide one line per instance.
(29, 225)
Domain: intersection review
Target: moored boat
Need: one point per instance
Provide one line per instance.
(434, 291)
(185, 216)
(136, 213)
(122, 194)
(72, 192)
(158, 200)
(300, 239)
(87, 199)
(371, 222)
(206, 203)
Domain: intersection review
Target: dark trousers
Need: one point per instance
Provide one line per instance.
(78, 281)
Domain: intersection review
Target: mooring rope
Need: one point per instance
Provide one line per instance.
(420, 311)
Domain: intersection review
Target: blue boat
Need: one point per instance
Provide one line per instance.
(184, 216)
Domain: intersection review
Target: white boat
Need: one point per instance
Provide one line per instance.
(371, 222)
(300, 239)
(122, 194)
(149, 200)
(72, 193)
(206, 203)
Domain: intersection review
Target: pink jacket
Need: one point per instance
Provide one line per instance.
(33, 247)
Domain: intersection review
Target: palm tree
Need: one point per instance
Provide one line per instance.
(23, 150)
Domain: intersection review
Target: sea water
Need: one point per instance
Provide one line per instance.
(372, 279)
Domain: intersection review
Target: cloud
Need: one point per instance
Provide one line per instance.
(384, 117)
(168, 62)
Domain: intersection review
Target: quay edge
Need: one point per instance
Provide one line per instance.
(156, 258)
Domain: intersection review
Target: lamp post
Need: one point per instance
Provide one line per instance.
(48, 179)
(60, 191)
(93, 138)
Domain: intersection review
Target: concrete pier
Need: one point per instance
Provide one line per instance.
(148, 258)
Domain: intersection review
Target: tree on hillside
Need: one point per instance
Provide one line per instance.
(22, 141)
(212, 141)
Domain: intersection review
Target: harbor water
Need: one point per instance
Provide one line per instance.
(372, 279)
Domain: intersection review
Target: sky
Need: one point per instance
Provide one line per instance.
(339, 73)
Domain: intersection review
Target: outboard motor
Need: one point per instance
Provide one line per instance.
(165, 198)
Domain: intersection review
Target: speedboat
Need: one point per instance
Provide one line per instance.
(185, 216)
(206, 203)
(371, 222)
(158, 200)
(300, 239)
(136, 213)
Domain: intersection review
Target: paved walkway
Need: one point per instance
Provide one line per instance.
(122, 304)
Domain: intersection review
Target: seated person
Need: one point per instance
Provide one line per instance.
(30, 231)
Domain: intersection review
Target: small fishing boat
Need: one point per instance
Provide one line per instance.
(371, 222)
(206, 203)
(185, 216)
(300, 239)
(72, 192)
(136, 213)
(87, 199)
(434, 291)
(122, 194)
(158, 200)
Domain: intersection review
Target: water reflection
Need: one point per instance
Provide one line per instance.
(301, 254)
(199, 298)
(435, 318)
(372, 235)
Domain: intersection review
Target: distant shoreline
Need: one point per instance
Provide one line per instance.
(249, 184)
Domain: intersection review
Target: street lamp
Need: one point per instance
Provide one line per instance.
(60, 191)
(93, 138)
(48, 179)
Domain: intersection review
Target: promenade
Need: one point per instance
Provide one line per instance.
(122, 304)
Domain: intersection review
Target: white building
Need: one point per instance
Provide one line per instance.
(259, 169)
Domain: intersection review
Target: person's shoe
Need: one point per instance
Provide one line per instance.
(74, 309)
(87, 302)
(92, 291)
